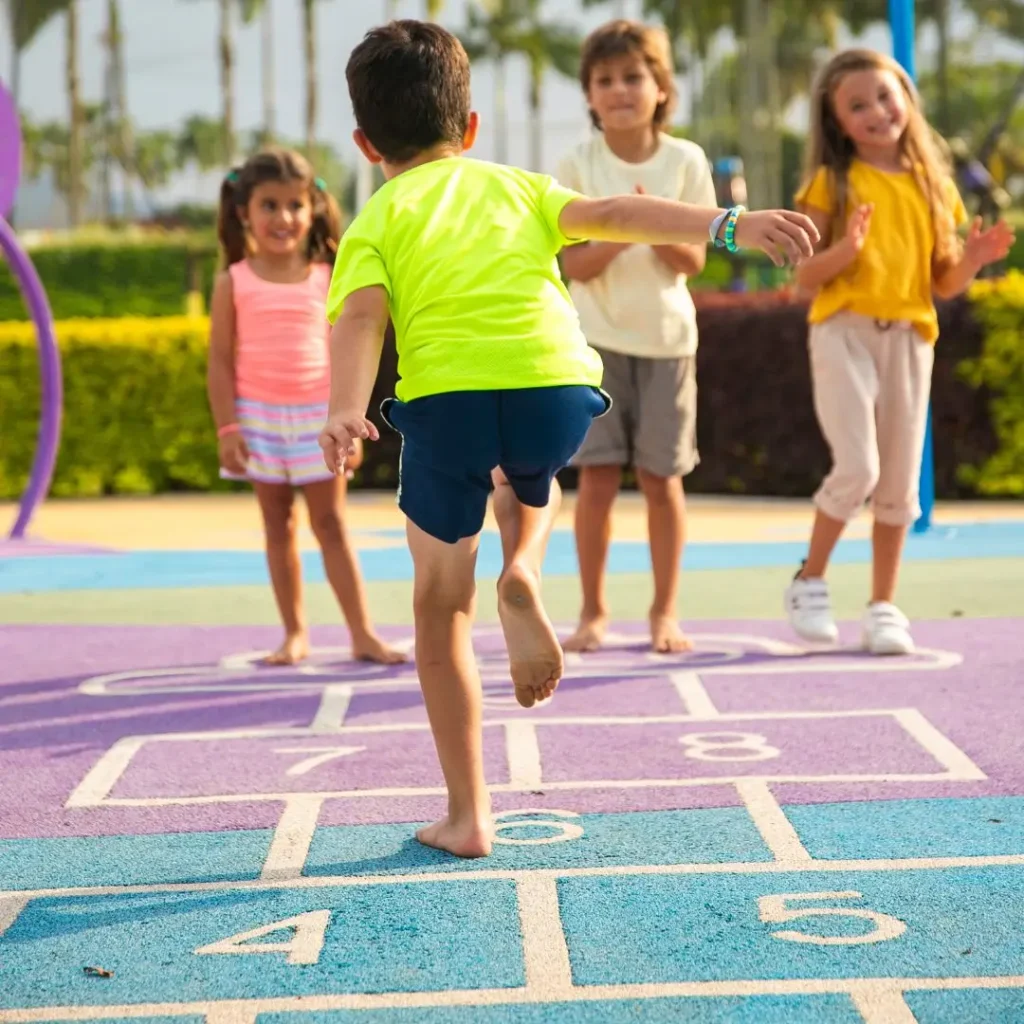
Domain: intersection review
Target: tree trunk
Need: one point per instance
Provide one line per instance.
(109, 118)
(536, 115)
(126, 137)
(227, 82)
(269, 82)
(500, 111)
(942, 19)
(309, 33)
(74, 117)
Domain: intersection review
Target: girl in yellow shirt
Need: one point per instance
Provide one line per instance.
(887, 211)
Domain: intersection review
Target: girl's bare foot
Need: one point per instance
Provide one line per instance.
(372, 648)
(589, 635)
(534, 654)
(470, 837)
(667, 637)
(294, 649)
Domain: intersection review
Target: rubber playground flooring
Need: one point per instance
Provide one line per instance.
(752, 833)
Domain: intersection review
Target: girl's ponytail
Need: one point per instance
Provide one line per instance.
(230, 229)
(326, 229)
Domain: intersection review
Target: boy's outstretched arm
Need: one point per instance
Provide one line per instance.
(651, 220)
(356, 343)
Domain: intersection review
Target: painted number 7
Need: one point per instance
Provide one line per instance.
(773, 910)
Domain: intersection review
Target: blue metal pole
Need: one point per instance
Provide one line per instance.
(901, 20)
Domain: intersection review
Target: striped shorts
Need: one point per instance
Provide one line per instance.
(282, 442)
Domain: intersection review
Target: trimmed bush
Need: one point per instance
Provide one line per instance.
(137, 420)
(111, 280)
(999, 371)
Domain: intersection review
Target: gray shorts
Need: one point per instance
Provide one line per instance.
(652, 423)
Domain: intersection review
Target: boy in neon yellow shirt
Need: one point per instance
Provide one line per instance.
(497, 383)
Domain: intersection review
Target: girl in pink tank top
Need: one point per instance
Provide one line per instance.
(269, 381)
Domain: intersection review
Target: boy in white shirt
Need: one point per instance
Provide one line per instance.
(636, 310)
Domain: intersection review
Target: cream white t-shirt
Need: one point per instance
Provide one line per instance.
(638, 306)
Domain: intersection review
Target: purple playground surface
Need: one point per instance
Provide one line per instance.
(627, 731)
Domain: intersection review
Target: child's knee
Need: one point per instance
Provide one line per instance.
(327, 526)
(660, 490)
(279, 521)
(847, 488)
(443, 598)
(600, 483)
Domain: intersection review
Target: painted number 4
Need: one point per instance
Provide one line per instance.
(774, 910)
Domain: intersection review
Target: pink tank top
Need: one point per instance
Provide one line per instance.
(281, 337)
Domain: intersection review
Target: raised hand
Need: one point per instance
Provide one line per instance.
(858, 225)
(781, 234)
(337, 439)
(991, 246)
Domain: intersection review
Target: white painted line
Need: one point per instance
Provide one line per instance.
(509, 997)
(288, 851)
(11, 906)
(502, 874)
(509, 787)
(943, 749)
(333, 708)
(771, 821)
(545, 953)
(231, 1014)
(882, 1004)
(103, 776)
(523, 752)
(693, 694)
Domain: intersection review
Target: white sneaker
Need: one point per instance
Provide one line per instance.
(887, 630)
(810, 611)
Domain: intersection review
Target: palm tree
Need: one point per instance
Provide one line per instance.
(76, 190)
(489, 37)
(263, 9)
(312, 84)
(24, 19)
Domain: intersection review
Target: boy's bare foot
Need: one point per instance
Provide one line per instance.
(667, 637)
(372, 648)
(589, 635)
(294, 649)
(534, 654)
(469, 838)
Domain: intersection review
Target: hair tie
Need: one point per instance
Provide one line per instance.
(232, 176)
(320, 184)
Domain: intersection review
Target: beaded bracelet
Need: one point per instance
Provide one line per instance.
(228, 428)
(730, 227)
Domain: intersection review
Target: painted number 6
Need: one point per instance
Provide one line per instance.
(563, 830)
(773, 910)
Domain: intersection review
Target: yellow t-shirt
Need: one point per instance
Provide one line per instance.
(891, 279)
(466, 251)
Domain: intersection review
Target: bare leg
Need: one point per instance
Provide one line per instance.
(824, 537)
(534, 654)
(444, 601)
(325, 501)
(277, 504)
(666, 528)
(598, 487)
(887, 543)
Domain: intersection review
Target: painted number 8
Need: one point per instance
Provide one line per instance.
(773, 909)
(728, 746)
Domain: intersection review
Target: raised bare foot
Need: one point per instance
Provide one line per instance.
(294, 649)
(470, 838)
(372, 648)
(534, 654)
(667, 637)
(589, 635)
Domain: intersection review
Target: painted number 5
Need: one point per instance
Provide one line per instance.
(773, 910)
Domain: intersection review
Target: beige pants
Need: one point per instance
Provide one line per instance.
(871, 385)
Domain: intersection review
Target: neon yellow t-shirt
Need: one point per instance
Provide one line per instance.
(891, 279)
(466, 251)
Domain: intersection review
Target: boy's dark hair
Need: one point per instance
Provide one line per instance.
(409, 84)
(279, 166)
(623, 38)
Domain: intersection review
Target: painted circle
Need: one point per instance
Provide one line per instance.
(10, 152)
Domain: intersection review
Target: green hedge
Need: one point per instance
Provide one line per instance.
(111, 280)
(136, 416)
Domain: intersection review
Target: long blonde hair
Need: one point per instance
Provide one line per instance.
(828, 146)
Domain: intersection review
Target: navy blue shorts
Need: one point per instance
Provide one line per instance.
(451, 442)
